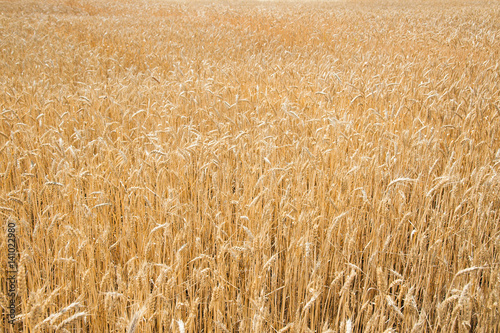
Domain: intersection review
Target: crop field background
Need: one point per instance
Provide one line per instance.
(251, 166)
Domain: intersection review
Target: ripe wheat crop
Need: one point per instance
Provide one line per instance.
(251, 166)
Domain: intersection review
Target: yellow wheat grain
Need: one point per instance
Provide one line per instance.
(256, 166)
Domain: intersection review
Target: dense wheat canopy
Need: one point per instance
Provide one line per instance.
(251, 166)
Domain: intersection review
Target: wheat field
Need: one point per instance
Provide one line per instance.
(250, 166)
